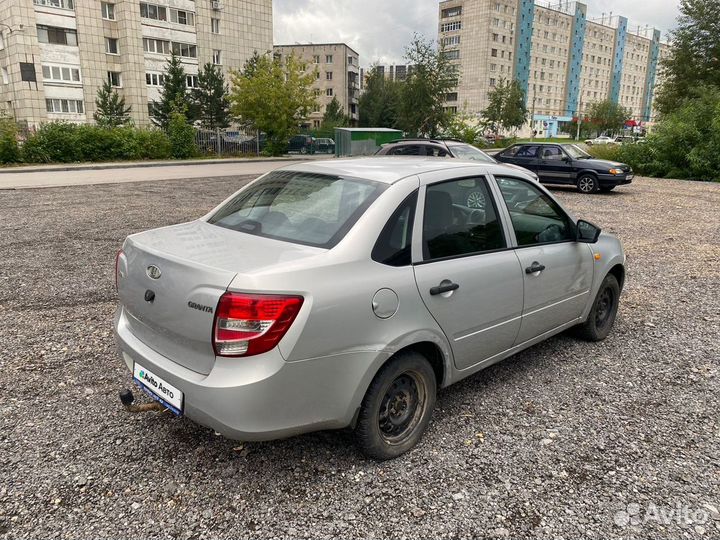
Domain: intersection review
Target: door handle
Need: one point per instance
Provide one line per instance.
(445, 286)
(535, 267)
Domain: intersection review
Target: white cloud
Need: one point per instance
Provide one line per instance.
(379, 30)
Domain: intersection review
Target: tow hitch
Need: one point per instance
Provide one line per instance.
(127, 398)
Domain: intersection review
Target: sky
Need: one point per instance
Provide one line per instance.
(379, 30)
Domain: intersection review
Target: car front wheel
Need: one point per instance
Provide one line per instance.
(602, 315)
(587, 183)
(397, 407)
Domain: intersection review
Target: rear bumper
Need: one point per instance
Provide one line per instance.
(262, 397)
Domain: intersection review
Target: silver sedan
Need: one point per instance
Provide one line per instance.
(344, 293)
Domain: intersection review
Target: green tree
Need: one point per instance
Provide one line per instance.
(506, 110)
(334, 116)
(608, 116)
(274, 96)
(694, 58)
(9, 149)
(464, 127)
(380, 101)
(110, 109)
(422, 106)
(181, 135)
(211, 98)
(172, 95)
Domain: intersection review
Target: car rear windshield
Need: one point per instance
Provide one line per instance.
(465, 151)
(300, 207)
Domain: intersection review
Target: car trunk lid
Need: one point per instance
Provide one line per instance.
(171, 280)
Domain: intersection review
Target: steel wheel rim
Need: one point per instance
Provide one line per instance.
(402, 407)
(476, 200)
(604, 307)
(586, 184)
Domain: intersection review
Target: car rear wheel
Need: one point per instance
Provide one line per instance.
(587, 183)
(603, 312)
(397, 407)
(303, 150)
(475, 199)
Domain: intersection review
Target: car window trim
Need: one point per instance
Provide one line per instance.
(413, 212)
(421, 216)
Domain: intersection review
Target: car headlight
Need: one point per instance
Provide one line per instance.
(616, 171)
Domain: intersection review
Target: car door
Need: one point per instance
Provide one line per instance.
(467, 277)
(525, 155)
(557, 271)
(554, 166)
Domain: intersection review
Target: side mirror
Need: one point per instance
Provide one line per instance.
(567, 159)
(587, 232)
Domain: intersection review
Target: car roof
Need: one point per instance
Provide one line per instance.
(389, 170)
(543, 143)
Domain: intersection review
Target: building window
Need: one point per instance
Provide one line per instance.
(179, 16)
(62, 4)
(455, 40)
(113, 77)
(328, 59)
(64, 106)
(452, 55)
(451, 12)
(154, 79)
(329, 92)
(64, 74)
(328, 75)
(159, 46)
(111, 46)
(108, 11)
(151, 11)
(217, 57)
(451, 27)
(493, 53)
(215, 26)
(56, 36)
(452, 96)
(191, 81)
(5, 76)
(187, 50)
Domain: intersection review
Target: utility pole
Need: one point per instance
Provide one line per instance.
(532, 117)
(579, 115)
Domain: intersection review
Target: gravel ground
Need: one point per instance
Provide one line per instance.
(566, 440)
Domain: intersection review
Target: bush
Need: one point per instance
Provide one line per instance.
(9, 150)
(62, 142)
(54, 142)
(153, 144)
(182, 136)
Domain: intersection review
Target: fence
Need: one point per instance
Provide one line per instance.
(229, 142)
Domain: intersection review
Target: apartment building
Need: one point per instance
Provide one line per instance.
(563, 61)
(56, 54)
(337, 72)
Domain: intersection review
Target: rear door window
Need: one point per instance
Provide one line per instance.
(300, 207)
(452, 228)
(406, 150)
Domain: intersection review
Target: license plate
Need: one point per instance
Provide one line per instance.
(158, 389)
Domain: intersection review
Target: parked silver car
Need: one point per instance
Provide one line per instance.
(345, 293)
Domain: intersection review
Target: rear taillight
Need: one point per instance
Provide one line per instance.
(248, 324)
(117, 268)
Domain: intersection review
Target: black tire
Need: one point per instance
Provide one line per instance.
(397, 407)
(603, 312)
(588, 183)
(303, 150)
(606, 189)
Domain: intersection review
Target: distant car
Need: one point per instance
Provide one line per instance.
(603, 140)
(345, 293)
(304, 144)
(325, 145)
(568, 164)
(448, 148)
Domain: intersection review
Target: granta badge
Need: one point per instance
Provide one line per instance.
(153, 272)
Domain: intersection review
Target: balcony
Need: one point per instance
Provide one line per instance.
(60, 4)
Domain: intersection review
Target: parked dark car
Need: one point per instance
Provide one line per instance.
(568, 164)
(325, 145)
(304, 144)
(447, 148)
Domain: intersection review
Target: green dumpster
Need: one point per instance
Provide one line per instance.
(362, 141)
